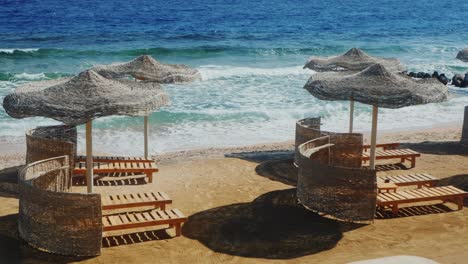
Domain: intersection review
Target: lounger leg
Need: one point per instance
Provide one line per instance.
(402, 160)
(413, 162)
(149, 175)
(460, 203)
(395, 209)
(163, 207)
(178, 229)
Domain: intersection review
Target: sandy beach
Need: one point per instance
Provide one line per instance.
(241, 210)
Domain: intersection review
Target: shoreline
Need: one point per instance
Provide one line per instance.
(445, 132)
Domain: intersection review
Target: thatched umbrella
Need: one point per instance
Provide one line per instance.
(378, 87)
(146, 68)
(463, 55)
(79, 100)
(353, 60)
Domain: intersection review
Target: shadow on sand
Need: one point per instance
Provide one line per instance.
(273, 226)
(9, 181)
(414, 211)
(460, 181)
(438, 148)
(112, 179)
(279, 170)
(135, 238)
(14, 250)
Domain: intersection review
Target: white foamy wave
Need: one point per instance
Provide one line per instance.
(30, 76)
(216, 71)
(22, 50)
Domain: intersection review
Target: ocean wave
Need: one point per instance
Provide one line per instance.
(201, 51)
(11, 51)
(25, 76)
(215, 71)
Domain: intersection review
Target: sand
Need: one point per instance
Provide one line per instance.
(241, 211)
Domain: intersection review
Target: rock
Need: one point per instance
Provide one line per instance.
(435, 75)
(427, 76)
(464, 84)
(412, 74)
(443, 79)
(420, 75)
(457, 80)
(463, 55)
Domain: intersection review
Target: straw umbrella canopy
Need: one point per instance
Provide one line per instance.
(146, 68)
(80, 99)
(379, 87)
(463, 55)
(353, 60)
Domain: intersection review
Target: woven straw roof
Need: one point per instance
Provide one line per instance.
(353, 60)
(148, 69)
(376, 85)
(84, 97)
(463, 55)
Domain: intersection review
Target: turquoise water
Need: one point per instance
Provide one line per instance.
(250, 55)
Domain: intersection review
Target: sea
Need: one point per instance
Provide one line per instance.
(250, 55)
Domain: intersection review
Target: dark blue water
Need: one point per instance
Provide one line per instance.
(250, 54)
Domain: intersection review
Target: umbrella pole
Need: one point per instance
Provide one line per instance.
(146, 133)
(373, 136)
(89, 157)
(351, 115)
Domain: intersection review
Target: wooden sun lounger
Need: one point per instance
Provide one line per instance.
(419, 179)
(173, 218)
(402, 154)
(384, 146)
(394, 199)
(147, 168)
(129, 200)
(113, 159)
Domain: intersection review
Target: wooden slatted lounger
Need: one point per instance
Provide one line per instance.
(402, 154)
(419, 179)
(147, 168)
(173, 218)
(128, 200)
(394, 199)
(113, 159)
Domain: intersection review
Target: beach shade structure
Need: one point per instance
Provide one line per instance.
(145, 68)
(353, 60)
(463, 55)
(379, 87)
(80, 99)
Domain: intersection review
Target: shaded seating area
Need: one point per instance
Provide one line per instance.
(309, 128)
(45, 143)
(48, 206)
(52, 141)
